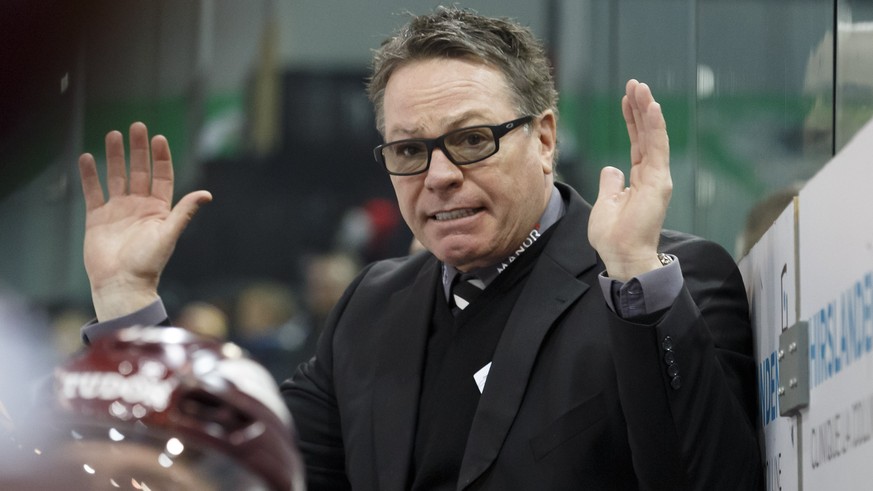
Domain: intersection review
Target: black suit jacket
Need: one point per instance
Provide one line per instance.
(576, 398)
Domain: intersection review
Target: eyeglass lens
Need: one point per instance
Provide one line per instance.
(462, 147)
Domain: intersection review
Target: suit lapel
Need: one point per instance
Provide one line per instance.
(553, 287)
(398, 377)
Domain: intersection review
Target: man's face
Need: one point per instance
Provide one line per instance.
(474, 215)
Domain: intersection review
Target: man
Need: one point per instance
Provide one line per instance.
(600, 353)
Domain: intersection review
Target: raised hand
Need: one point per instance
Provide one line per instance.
(626, 221)
(130, 237)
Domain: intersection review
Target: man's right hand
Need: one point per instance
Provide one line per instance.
(130, 237)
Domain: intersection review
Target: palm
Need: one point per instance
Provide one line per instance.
(127, 234)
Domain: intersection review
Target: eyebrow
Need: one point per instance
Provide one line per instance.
(459, 121)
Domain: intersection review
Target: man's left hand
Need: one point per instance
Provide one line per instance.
(626, 221)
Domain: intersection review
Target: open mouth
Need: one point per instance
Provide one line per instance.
(455, 214)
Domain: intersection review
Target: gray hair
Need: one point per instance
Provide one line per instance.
(452, 32)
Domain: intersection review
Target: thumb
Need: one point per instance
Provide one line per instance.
(611, 183)
(184, 211)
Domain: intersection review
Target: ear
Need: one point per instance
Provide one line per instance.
(547, 134)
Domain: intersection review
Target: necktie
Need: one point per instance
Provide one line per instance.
(467, 287)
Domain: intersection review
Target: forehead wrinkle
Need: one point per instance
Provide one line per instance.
(448, 123)
(432, 106)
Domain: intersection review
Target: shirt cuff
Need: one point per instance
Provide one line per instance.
(644, 294)
(151, 315)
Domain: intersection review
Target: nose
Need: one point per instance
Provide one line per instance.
(442, 173)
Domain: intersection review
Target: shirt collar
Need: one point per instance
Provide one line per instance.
(555, 209)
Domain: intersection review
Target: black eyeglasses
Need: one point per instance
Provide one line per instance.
(462, 146)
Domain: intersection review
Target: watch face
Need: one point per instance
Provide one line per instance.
(664, 258)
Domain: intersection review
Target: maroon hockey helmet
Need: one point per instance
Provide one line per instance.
(162, 408)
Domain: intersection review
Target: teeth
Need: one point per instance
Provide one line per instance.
(451, 215)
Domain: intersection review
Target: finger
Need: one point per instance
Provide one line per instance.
(91, 188)
(162, 172)
(642, 98)
(655, 142)
(116, 174)
(184, 211)
(611, 184)
(140, 174)
(643, 95)
(632, 130)
(644, 103)
(630, 90)
(634, 91)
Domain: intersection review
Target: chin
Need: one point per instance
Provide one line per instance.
(464, 260)
(454, 256)
(463, 250)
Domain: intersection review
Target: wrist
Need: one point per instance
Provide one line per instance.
(625, 270)
(118, 299)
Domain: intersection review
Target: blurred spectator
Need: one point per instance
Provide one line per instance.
(372, 231)
(205, 319)
(66, 325)
(266, 325)
(326, 278)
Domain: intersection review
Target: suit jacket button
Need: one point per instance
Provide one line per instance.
(676, 382)
(667, 344)
(673, 371)
(669, 358)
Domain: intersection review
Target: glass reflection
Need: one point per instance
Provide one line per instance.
(765, 122)
(854, 83)
(747, 89)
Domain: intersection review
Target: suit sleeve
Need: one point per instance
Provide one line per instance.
(687, 382)
(154, 314)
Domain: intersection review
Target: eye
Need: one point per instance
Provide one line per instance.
(473, 137)
(407, 150)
